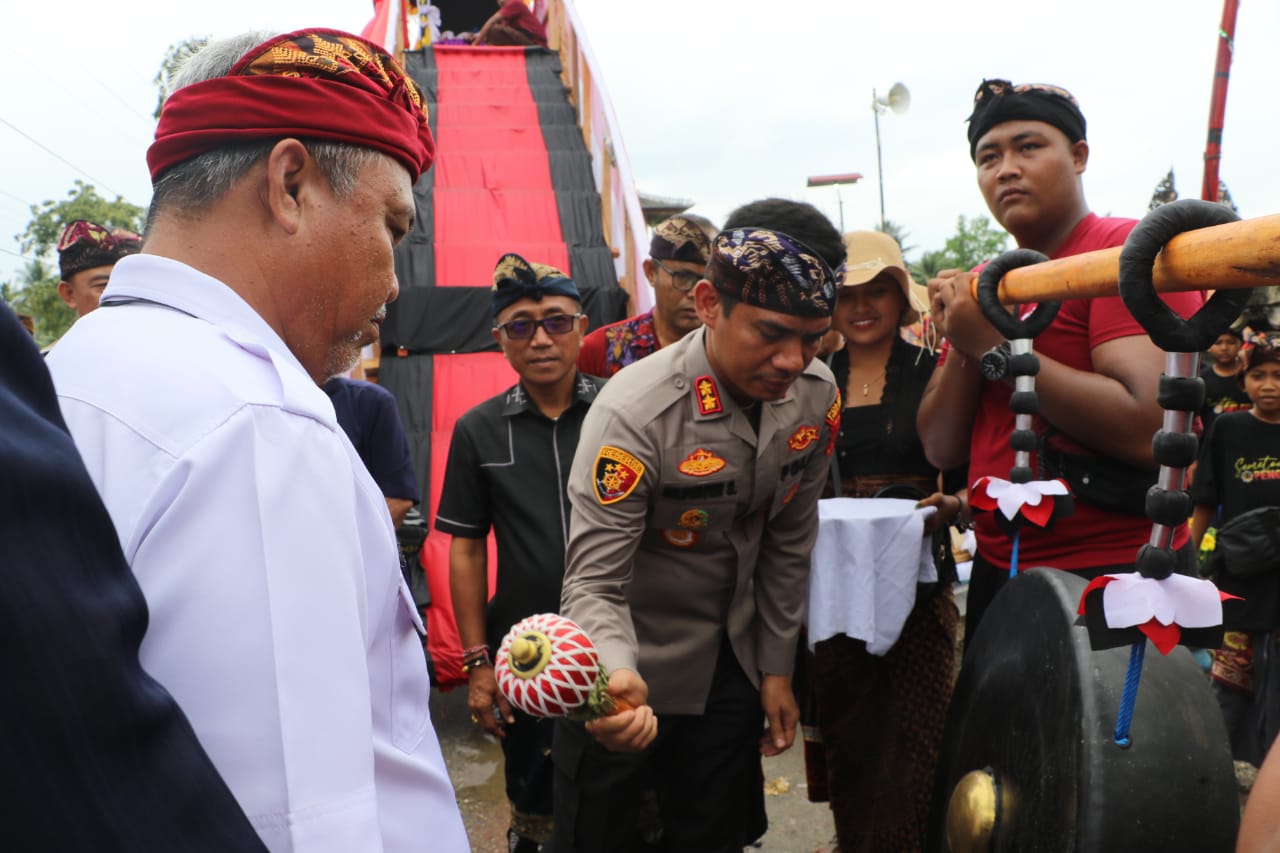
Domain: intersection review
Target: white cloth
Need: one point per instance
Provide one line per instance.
(279, 617)
(870, 554)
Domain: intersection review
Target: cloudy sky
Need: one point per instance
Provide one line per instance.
(726, 102)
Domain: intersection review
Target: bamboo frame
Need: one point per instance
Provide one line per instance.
(1236, 255)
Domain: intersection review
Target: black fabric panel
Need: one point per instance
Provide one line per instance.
(440, 320)
(603, 307)
(580, 222)
(571, 170)
(412, 380)
(415, 257)
(590, 259)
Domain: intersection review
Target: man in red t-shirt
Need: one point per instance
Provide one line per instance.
(1098, 370)
(513, 24)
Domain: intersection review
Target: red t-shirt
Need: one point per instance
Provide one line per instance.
(517, 15)
(1089, 537)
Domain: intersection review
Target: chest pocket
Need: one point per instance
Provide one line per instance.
(697, 514)
(789, 477)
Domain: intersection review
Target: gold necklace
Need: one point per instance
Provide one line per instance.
(866, 386)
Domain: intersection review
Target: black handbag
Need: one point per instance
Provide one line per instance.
(1247, 546)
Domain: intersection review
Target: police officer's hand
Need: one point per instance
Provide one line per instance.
(781, 711)
(482, 695)
(957, 315)
(631, 730)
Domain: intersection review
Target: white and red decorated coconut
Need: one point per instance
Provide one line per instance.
(547, 667)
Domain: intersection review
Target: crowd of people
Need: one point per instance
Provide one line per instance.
(227, 528)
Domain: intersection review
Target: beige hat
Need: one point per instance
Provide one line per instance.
(871, 253)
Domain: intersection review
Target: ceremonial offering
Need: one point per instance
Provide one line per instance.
(547, 667)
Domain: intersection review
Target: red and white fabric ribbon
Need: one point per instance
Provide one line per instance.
(1158, 608)
(1014, 499)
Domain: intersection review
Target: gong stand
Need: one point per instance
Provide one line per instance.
(1020, 500)
(1192, 611)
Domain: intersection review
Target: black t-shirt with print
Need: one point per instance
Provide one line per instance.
(1239, 469)
(1222, 394)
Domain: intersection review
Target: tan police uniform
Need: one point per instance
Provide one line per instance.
(687, 526)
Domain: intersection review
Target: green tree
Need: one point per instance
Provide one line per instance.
(976, 240)
(174, 58)
(35, 290)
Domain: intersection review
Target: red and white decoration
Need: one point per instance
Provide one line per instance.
(1158, 608)
(563, 683)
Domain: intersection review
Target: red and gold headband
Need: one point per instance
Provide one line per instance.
(310, 84)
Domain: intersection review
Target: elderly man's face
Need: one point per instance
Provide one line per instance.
(352, 272)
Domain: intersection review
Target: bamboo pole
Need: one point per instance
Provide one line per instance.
(1236, 255)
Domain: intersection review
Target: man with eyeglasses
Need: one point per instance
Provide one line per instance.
(694, 494)
(1098, 370)
(507, 470)
(678, 254)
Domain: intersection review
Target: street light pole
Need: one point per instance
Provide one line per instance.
(875, 109)
(837, 181)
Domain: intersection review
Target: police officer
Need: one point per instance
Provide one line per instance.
(694, 492)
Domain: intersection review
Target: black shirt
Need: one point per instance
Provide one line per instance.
(1239, 469)
(1222, 394)
(368, 415)
(508, 469)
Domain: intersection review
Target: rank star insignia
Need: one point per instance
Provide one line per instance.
(708, 395)
(694, 519)
(700, 463)
(802, 438)
(617, 473)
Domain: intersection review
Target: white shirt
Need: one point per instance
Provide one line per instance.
(279, 618)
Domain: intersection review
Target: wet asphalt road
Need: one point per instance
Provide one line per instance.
(475, 765)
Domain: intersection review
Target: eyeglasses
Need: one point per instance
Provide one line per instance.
(996, 88)
(681, 280)
(556, 324)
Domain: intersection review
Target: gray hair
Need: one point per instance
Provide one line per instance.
(198, 182)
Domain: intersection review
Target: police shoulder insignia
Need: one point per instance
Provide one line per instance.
(833, 422)
(700, 463)
(802, 438)
(833, 413)
(617, 473)
(680, 538)
(708, 395)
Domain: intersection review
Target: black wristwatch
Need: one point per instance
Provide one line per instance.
(995, 362)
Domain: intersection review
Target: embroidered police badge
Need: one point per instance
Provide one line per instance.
(700, 463)
(802, 438)
(680, 538)
(617, 473)
(694, 519)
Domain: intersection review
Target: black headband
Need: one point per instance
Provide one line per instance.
(998, 101)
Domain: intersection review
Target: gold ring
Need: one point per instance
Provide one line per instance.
(474, 718)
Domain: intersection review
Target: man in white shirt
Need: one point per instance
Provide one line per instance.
(283, 174)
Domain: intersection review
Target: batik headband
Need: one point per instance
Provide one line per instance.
(314, 84)
(514, 278)
(771, 270)
(998, 101)
(680, 239)
(85, 245)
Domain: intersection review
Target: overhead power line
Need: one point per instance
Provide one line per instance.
(56, 155)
